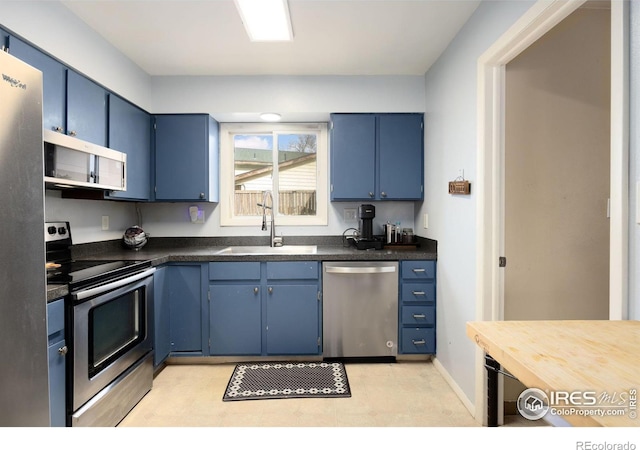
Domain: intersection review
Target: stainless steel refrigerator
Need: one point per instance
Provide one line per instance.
(24, 390)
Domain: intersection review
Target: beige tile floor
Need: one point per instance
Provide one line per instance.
(403, 394)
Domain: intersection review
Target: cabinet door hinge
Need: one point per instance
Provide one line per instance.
(502, 261)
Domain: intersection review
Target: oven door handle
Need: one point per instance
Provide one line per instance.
(82, 295)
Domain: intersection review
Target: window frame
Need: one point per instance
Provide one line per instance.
(227, 172)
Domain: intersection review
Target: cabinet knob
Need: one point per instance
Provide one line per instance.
(371, 194)
(58, 129)
(383, 194)
(202, 195)
(270, 290)
(63, 350)
(72, 133)
(256, 290)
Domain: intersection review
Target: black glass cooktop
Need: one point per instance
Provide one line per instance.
(79, 274)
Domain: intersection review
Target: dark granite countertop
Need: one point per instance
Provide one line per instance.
(165, 250)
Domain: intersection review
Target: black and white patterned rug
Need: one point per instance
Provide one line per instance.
(255, 381)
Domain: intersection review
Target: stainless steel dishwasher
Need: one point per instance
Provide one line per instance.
(360, 309)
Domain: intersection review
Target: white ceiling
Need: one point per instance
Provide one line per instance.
(331, 37)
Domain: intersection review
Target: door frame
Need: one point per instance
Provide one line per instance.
(537, 21)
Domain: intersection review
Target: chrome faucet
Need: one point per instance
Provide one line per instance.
(274, 241)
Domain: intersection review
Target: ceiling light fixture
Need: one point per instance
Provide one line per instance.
(266, 20)
(270, 117)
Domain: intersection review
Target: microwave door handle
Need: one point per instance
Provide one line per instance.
(82, 295)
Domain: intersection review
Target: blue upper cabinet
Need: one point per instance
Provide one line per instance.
(86, 109)
(377, 157)
(130, 132)
(401, 156)
(353, 143)
(54, 77)
(72, 104)
(186, 157)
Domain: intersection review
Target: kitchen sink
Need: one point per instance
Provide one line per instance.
(266, 250)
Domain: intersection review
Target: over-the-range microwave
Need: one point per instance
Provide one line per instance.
(72, 162)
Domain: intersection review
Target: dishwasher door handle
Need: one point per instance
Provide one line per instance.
(362, 269)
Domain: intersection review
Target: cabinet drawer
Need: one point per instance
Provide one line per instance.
(418, 315)
(418, 270)
(292, 270)
(55, 317)
(418, 292)
(234, 271)
(418, 340)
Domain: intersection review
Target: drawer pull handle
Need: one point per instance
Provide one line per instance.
(419, 270)
(418, 292)
(420, 342)
(419, 316)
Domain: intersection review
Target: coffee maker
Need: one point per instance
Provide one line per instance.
(366, 239)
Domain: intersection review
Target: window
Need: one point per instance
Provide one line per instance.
(289, 160)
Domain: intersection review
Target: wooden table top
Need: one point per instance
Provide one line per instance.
(598, 356)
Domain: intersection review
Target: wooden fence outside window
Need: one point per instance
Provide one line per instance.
(291, 203)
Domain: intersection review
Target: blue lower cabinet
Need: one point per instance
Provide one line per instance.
(161, 318)
(418, 340)
(292, 319)
(264, 308)
(180, 325)
(235, 318)
(57, 357)
(417, 307)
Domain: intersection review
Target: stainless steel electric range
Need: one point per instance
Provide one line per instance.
(108, 329)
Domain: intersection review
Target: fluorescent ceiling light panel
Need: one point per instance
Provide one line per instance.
(266, 20)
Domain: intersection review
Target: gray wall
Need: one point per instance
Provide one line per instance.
(557, 153)
(450, 145)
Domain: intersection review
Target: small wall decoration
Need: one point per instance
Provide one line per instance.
(459, 186)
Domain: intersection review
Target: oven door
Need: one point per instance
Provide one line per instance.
(112, 329)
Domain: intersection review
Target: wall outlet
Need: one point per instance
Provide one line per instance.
(350, 214)
(105, 223)
(425, 221)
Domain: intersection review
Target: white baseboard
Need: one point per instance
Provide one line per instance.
(450, 381)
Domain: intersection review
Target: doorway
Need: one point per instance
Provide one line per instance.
(542, 17)
(557, 166)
